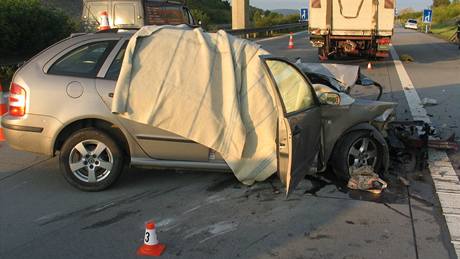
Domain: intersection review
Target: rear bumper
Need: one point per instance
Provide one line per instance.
(32, 133)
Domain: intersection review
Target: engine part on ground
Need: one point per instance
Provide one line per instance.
(417, 134)
(429, 102)
(365, 179)
(414, 138)
(404, 181)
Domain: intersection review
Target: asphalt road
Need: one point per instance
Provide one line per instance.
(211, 215)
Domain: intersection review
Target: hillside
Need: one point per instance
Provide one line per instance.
(71, 7)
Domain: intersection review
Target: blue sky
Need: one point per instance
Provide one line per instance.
(296, 4)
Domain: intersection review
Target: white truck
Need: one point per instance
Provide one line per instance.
(351, 27)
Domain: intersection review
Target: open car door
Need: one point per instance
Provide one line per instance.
(299, 127)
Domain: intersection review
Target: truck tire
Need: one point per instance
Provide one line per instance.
(351, 151)
(91, 160)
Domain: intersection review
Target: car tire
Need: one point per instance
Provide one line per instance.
(91, 160)
(345, 154)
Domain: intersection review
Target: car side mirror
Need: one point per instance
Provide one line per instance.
(329, 98)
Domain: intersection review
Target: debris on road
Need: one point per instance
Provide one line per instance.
(365, 179)
(406, 58)
(445, 144)
(409, 142)
(404, 181)
(429, 102)
(418, 135)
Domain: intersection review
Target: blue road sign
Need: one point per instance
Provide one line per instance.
(427, 16)
(304, 14)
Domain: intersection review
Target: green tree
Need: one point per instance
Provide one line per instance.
(201, 16)
(437, 3)
(27, 27)
(218, 11)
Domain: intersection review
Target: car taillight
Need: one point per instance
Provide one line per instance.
(17, 100)
(384, 41)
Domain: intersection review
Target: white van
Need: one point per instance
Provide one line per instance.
(135, 13)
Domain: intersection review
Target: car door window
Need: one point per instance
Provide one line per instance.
(293, 88)
(84, 61)
(115, 67)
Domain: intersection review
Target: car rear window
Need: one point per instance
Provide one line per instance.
(412, 21)
(84, 61)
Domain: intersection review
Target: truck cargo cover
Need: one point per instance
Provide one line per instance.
(207, 87)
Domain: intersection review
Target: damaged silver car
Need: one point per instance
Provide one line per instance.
(323, 126)
(354, 130)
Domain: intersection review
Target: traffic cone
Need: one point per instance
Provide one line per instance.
(104, 25)
(291, 41)
(151, 246)
(369, 66)
(3, 110)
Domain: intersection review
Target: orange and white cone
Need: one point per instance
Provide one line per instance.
(151, 246)
(291, 41)
(104, 24)
(369, 66)
(3, 110)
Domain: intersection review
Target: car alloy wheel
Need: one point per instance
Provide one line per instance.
(91, 161)
(363, 152)
(354, 150)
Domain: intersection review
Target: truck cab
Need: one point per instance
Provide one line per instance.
(133, 14)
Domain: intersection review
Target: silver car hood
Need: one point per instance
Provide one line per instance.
(346, 75)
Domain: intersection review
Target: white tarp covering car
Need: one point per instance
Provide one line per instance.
(209, 88)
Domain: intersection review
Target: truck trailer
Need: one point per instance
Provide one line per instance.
(351, 27)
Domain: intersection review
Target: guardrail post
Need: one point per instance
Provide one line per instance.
(240, 14)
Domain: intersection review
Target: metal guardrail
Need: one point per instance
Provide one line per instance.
(453, 38)
(269, 30)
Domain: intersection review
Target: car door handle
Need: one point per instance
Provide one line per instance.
(297, 130)
(111, 95)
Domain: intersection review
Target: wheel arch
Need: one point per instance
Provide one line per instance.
(107, 127)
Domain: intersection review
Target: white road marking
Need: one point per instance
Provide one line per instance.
(445, 179)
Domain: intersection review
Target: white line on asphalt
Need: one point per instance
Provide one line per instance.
(445, 179)
(280, 37)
